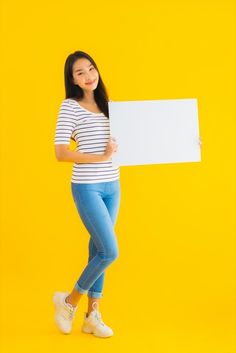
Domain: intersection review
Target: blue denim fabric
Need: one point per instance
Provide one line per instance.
(98, 206)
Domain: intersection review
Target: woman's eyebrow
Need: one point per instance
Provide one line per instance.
(82, 69)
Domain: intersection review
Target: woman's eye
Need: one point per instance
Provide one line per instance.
(92, 68)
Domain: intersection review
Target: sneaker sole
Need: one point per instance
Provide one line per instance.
(89, 331)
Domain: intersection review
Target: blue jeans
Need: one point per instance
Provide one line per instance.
(97, 205)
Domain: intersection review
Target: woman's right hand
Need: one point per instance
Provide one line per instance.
(111, 148)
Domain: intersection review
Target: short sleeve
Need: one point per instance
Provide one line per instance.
(66, 122)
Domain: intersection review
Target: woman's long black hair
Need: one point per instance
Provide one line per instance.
(75, 92)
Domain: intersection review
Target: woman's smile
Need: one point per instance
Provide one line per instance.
(90, 83)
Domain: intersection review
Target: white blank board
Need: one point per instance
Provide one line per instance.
(155, 131)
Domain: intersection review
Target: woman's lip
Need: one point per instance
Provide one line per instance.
(89, 83)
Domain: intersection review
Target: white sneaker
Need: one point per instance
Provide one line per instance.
(94, 324)
(65, 312)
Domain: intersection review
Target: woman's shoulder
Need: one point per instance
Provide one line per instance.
(67, 107)
(69, 101)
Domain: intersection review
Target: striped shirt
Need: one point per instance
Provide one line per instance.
(91, 132)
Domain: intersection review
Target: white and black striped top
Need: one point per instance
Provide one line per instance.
(91, 132)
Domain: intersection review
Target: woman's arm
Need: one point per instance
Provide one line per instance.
(65, 154)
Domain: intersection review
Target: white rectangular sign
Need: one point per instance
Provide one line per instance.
(155, 131)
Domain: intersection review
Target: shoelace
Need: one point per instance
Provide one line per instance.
(97, 314)
(98, 317)
(70, 311)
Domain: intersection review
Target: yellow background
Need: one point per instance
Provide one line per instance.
(172, 289)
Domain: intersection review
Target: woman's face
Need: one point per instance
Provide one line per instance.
(85, 74)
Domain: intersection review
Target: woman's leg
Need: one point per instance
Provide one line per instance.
(96, 218)
(112, 202)
(98, 284)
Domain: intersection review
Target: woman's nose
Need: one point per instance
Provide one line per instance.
(88, 78)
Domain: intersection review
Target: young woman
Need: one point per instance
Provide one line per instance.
(95, 185)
